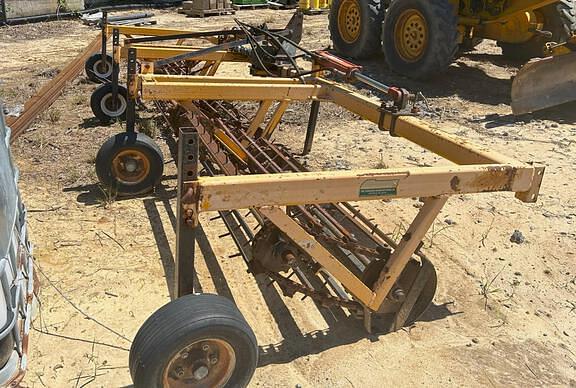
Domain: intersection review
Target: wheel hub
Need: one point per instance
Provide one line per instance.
(113, 107)
(349, 20)
(201, 372)
(411, 35)
(102, 68)
(130, 166)
(205, 363)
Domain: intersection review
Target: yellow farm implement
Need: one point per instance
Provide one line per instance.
(301, 232)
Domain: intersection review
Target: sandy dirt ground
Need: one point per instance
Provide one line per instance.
(504, 313)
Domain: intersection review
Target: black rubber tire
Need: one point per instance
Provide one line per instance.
(442, 46)
(129, 141)
(98, 102)
(368, 43)
(559, 19)
(184, 321)
(92, 71)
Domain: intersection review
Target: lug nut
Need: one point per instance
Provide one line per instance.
(205, 348)
(184, 355)
(214, 360)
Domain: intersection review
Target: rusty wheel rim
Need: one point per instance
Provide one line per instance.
(131, 166)
(205, 363)
(411, 35)
(349, 20)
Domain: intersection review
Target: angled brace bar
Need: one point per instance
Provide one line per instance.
(275, 119)
(405, 249)
(313, 248)
(259, 117)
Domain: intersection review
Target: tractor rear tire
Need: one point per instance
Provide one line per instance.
(420, 37)
(559, 19)
(355, 27)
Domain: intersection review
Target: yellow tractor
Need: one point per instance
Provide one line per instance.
(420, 38)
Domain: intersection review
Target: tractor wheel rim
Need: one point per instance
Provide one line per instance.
(108, 108)
(204, 363)
(99, 65)
(130, 167)
(411, 35)
(349, 20)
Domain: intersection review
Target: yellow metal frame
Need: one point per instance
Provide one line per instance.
(476, 170)
(131, 31)
(514, 25)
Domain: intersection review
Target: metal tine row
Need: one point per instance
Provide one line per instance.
(265, 164)
(267, 158)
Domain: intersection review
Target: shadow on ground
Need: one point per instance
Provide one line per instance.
(342, 328)
(459, 80)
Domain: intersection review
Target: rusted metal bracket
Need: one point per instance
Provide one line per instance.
(394, 113)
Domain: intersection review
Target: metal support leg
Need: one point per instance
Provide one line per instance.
(132, 92)
(104, 26)
(115, 68)
(314, 109)
(4, 18)
(187, 210)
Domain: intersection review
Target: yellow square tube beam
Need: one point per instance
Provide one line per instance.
(144, 31)
(287, 189)
(162, 52)
(209, 88)
(457, 150)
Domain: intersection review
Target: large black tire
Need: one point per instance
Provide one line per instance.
(97, 70)
(101, 103)
(433, 41)
(559, 19)
(129, 163)
(367, 16)
(179, 332)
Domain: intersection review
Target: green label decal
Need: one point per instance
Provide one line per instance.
(378, 187)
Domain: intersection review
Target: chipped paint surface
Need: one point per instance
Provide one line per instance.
(495, 178)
